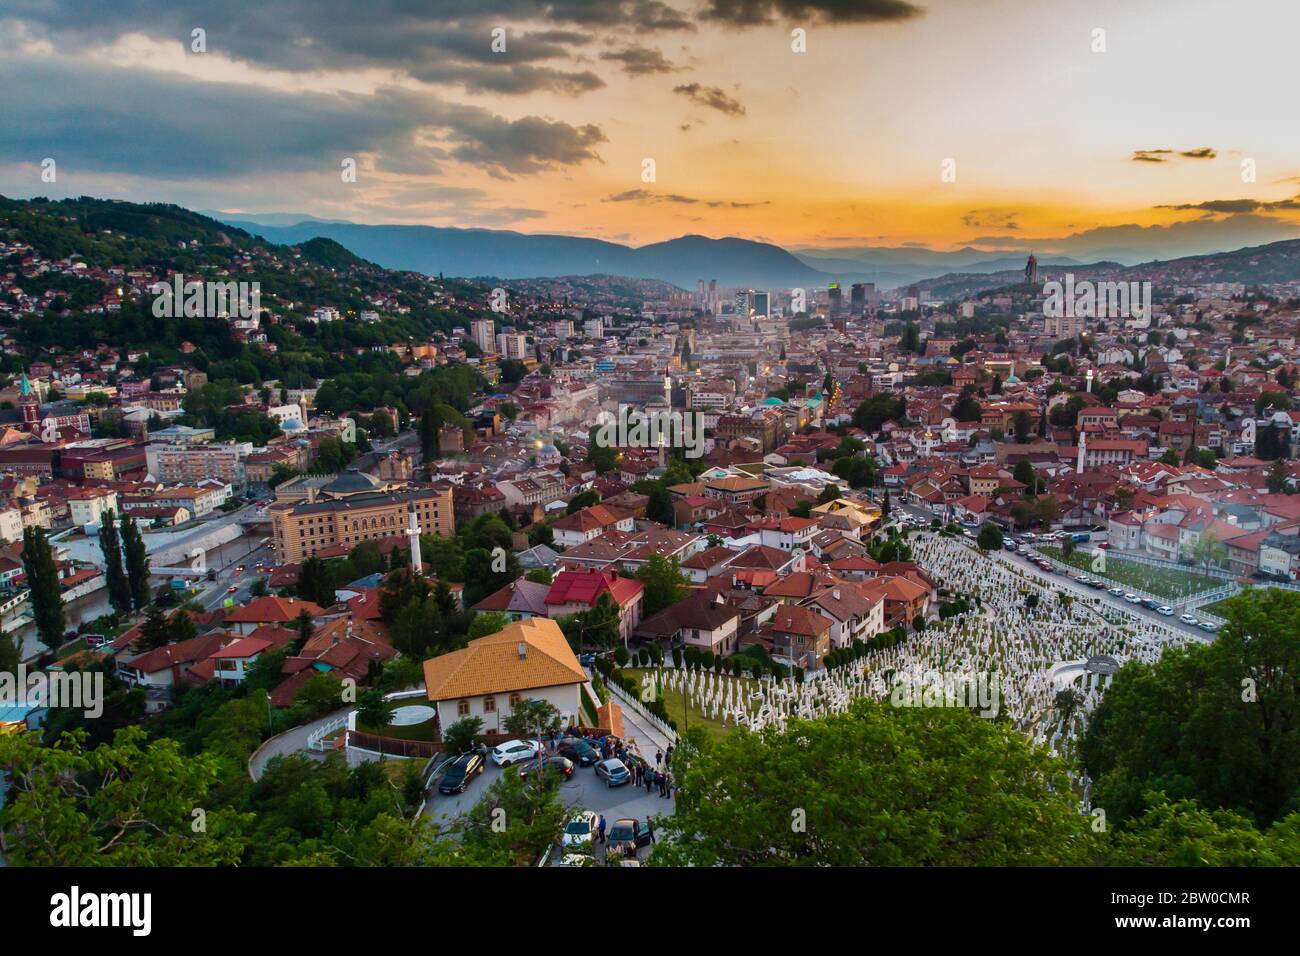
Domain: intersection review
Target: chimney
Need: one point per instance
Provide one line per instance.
(523, 650)
(835, 593)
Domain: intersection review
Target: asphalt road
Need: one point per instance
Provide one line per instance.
(1064, 582)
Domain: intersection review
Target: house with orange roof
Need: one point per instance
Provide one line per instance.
(797, 634)
(269, 610)
(488, 678)
(588, 523)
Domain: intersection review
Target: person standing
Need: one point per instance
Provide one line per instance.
(650, 825)
(600, 828)
(659, 758)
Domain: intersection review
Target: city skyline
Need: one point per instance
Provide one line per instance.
(1056, 146)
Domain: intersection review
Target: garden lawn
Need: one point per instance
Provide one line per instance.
(1170, 583)
(421, 731)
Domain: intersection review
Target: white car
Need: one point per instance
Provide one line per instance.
(1117, 592)
(513, 751)
(1188, 619)
(1027, 536)
(578, 831)
(1132, 599)
(1165, 610)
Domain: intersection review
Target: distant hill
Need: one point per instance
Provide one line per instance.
(1272, 263)
(513, 255)
(328, 253)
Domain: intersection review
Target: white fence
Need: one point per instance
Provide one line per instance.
(630, 701)
(316, 739)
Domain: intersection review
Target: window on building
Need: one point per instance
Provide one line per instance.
(489, 705)
(462, 708)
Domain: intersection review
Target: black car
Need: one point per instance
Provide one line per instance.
(555, 764)
(629, 834)
(462, 770)
(579, 751)
(1150, 604)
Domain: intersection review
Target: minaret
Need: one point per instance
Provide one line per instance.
(1089, 381)
(413, 533)
(663, 430)
(1083, 451)
(30, 404)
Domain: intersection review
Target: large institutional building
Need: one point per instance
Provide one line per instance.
(356, 507)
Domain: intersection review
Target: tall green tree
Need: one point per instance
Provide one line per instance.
(119, 588)
(1216, 723)
(137, 562)
(43, 582)
(126, 803)
(315, 582)
(875, 786)
(664, 582)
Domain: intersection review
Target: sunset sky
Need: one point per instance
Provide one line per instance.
(1056, 147)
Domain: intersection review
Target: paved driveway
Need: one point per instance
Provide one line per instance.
(582, 791)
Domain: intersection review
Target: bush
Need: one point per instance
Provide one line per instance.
(677, 657)
(622, 655)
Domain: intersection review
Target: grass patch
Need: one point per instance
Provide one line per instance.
(1173, 584)
(421, 731)
(675, 702)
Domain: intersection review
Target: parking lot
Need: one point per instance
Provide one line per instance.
(582, 791)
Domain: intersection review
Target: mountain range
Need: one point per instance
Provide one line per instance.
(733, 262)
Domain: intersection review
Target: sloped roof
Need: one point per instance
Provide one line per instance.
(272, 609)
(493, 664)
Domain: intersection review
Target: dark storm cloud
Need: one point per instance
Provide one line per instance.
(748, 13)
(640, 60)
(712, 97)
(144, 123)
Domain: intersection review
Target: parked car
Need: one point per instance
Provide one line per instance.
(578, 831)
(579, 751)
(613, 772)
(1165, 610)
(1132, 599)
(513, 751)
(1117, 592)
(1046, 566)
(1188, 619)
(1097, 583)
(561, 767)
(587, 660)
(628, 833)
(463, 769)
(1151, 604)
(1207, 626)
